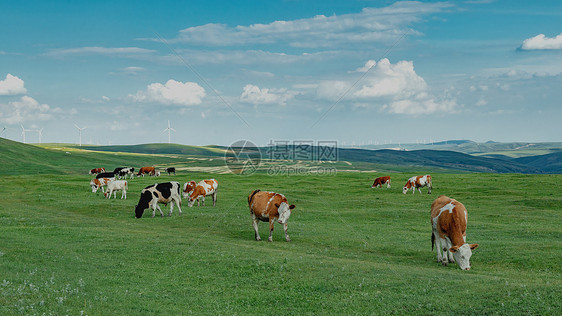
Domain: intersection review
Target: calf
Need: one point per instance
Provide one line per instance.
(448, 222)
(267, 207)
(171, 170)
(146, 170)
(97, 170)
(105, 175)
(380, 181)
(117, 185)
(418, 182)
(100, 183)
(203, 189)
(167, 192)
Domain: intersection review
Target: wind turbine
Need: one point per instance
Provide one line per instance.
(23, 130)
(3, 132)
(40, 131)
(80, 133)
(169, 129)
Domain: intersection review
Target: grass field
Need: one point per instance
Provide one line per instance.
(355, 250)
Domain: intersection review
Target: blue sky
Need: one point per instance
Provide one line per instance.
(353, 71)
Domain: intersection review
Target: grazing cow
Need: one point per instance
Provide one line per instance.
(380, 181)
(448, 222)
(188, 188)
(100, 183)
(146, 170)
(203, 189)
(167, 192)
(117, 185)
(97, 170)
(124, 172)
(171, 170)
(418, 182)
(267, 207)
(155, 173)
(105, 175)
(116, 170)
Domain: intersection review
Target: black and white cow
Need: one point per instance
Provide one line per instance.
(105, 175)
(164, 193)
(124, 172)
(171, 170)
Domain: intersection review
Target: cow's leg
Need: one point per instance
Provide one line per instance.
(413, 190)
(444, 247)
(124, 194)
(419, 189)
(286, 234)
(429, 189)
(437, 243)
(171, 208)
(215, 198)
(115, 194)
(198, 201)
(203, 200)
(270, 230)
(178, 203)
(255, 224)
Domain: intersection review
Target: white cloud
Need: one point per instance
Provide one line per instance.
(254, 95)
(26, 109)
(105, 99)
(369, 25)
(397, 86)
(12, 85)
(172, 92)
(541, 42)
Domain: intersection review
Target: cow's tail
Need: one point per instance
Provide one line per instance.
(179, 195)
(432, 240)
(251, 197)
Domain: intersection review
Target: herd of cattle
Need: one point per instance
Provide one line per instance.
(448, 216)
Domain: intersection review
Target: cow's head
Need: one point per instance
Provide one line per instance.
(462, 255)
(188, 187)
(143, 204)
(94, 186)
(191, 201)
(284, 211)
(405, 189)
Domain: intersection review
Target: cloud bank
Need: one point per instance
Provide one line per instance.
(12, 85)
(541, 42)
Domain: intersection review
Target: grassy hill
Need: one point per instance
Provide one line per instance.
(549, 163)
(17, 157)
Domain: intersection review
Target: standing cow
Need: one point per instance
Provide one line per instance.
(268, 207)
(380, 181)
(117, 185)
(418, 182)
(448, 221)
(204, 188)
(164, 193)
(146, 170)
(97, 170)
(96, 184)
(171, 170)
(188, 188)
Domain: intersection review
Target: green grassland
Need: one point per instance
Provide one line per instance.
(354, 250)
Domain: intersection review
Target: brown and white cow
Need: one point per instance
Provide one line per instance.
(448, 222)
(418, 182)
(97, 170)
(96, 184)
(380, 181)
(146, 170)
(268, 207)
(203, 189)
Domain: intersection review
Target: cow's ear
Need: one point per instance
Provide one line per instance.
(292, 206)
(277, 205)
(473, 246)
(454, 249)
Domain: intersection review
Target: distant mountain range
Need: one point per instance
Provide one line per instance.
(499, 157)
